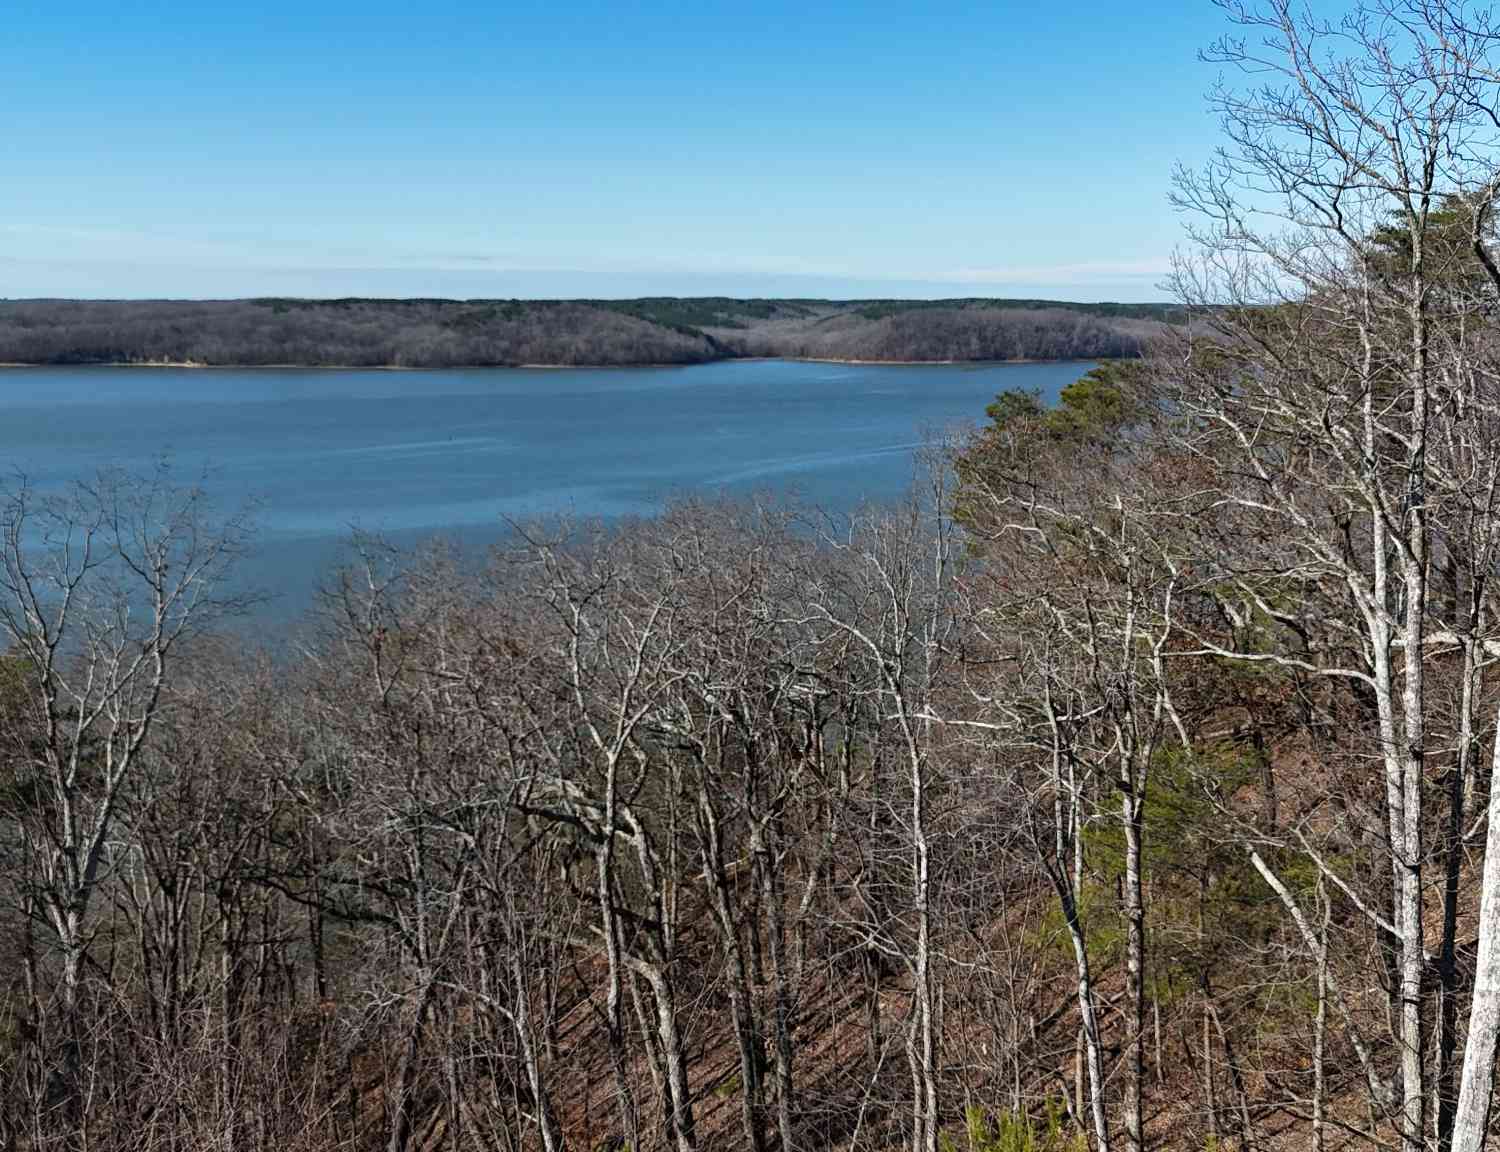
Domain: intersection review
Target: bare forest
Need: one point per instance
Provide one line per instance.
(454, 333)
(1129, 787)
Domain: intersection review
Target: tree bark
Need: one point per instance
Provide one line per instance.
(1476, 1083)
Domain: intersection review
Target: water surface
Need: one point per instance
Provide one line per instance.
(455, 452)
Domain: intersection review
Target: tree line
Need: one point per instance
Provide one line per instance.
(457, 333)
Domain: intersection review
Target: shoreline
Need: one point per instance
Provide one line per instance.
(292, 365)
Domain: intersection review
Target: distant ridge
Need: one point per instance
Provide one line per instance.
(435, 333)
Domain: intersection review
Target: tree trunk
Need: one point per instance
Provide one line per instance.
(1320, 1021)
(923, 1041)
(771, 900)
(1135, 977)
(525, 1037)
(1453, 852)
(406, 1069)
(741, 1006)
(1471, 1121)
(614, 1026)
(679, 1101)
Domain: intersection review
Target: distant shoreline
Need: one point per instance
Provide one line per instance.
(400, 335)
(293, 365)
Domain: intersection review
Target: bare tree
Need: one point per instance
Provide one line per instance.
(100, 587)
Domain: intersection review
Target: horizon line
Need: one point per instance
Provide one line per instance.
(547, 299)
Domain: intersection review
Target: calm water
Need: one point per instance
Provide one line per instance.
(410, 454)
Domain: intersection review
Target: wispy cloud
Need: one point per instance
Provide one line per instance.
(57, 258)
(1091, 272)
(229, 251)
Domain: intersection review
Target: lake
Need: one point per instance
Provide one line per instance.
(454, 452)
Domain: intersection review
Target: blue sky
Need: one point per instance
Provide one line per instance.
(460, 148)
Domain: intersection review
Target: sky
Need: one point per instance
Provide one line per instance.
(203, 148)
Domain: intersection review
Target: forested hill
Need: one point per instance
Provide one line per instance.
(423, 333)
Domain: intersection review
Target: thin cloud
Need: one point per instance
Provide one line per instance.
(1091, 272)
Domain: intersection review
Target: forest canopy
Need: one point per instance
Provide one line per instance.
(453, 333)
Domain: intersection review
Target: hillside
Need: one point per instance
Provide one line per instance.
(422, 333)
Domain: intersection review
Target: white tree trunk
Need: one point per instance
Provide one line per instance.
(1476, 1082)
